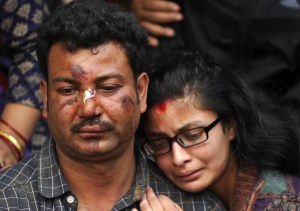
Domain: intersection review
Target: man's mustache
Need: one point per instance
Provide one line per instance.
(96, 121)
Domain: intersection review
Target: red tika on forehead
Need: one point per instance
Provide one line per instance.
(162, 107)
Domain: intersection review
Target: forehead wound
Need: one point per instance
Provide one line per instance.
(77, 71)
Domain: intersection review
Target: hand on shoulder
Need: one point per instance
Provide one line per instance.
(151, 202)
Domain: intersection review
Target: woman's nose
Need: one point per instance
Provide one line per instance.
(180, 154)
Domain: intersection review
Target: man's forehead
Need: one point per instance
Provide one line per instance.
(67, 48)
(109, 51)
(77, 62)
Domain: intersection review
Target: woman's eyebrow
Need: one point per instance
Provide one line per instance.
(189, 125)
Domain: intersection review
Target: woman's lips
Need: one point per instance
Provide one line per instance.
(189, 176)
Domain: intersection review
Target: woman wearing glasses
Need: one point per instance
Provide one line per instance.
(205, 129)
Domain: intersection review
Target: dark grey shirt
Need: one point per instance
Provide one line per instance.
(37, 183)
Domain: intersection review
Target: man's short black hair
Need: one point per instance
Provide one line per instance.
(89, 23)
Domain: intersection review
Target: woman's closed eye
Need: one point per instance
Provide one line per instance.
(193, 135)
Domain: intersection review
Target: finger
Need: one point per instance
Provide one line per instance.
(161, 16)
(168, 204)
(161, 5)
(152, 200)
(7, 162)
(1, 163)
(157, 30)
(178, 207)
(144, 204)
(7, 157)
(152, 41)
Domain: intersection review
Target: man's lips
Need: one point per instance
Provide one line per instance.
(92, 129)
(91, 125)
(91, 132)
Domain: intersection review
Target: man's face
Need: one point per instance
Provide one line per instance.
(94, 105)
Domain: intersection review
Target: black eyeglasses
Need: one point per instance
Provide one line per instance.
(186, 139)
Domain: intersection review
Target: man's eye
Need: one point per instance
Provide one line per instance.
(66, 91)
(109, 89)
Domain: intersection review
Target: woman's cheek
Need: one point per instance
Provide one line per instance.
(164, 163)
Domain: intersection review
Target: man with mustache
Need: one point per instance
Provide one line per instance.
(92, 53)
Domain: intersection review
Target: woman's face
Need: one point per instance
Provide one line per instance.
(198, 167)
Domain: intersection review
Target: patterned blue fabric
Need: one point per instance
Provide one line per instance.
(19, 20)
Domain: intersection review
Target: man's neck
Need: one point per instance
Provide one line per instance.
(99, 185)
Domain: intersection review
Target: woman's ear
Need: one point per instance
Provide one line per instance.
(230, 129)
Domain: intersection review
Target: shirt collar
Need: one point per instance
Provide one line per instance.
(51, 183)
(141, 181)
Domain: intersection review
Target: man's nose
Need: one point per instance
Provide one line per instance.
(89, 105)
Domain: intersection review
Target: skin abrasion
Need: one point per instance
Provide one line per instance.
(69, 102)
(127, 103)
(77, 72)
(94, 51)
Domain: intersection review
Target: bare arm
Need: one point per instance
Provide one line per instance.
(23, 103)
(152, 14)
(21, 117)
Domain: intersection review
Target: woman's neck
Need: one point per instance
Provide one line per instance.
(224, 187)
(244, 186)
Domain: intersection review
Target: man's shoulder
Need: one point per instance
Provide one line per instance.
(203, 200)
(20, 174)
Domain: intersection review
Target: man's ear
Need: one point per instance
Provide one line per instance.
(142, 90)
(44, 91)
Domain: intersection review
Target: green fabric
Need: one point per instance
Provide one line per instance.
(275, 182)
